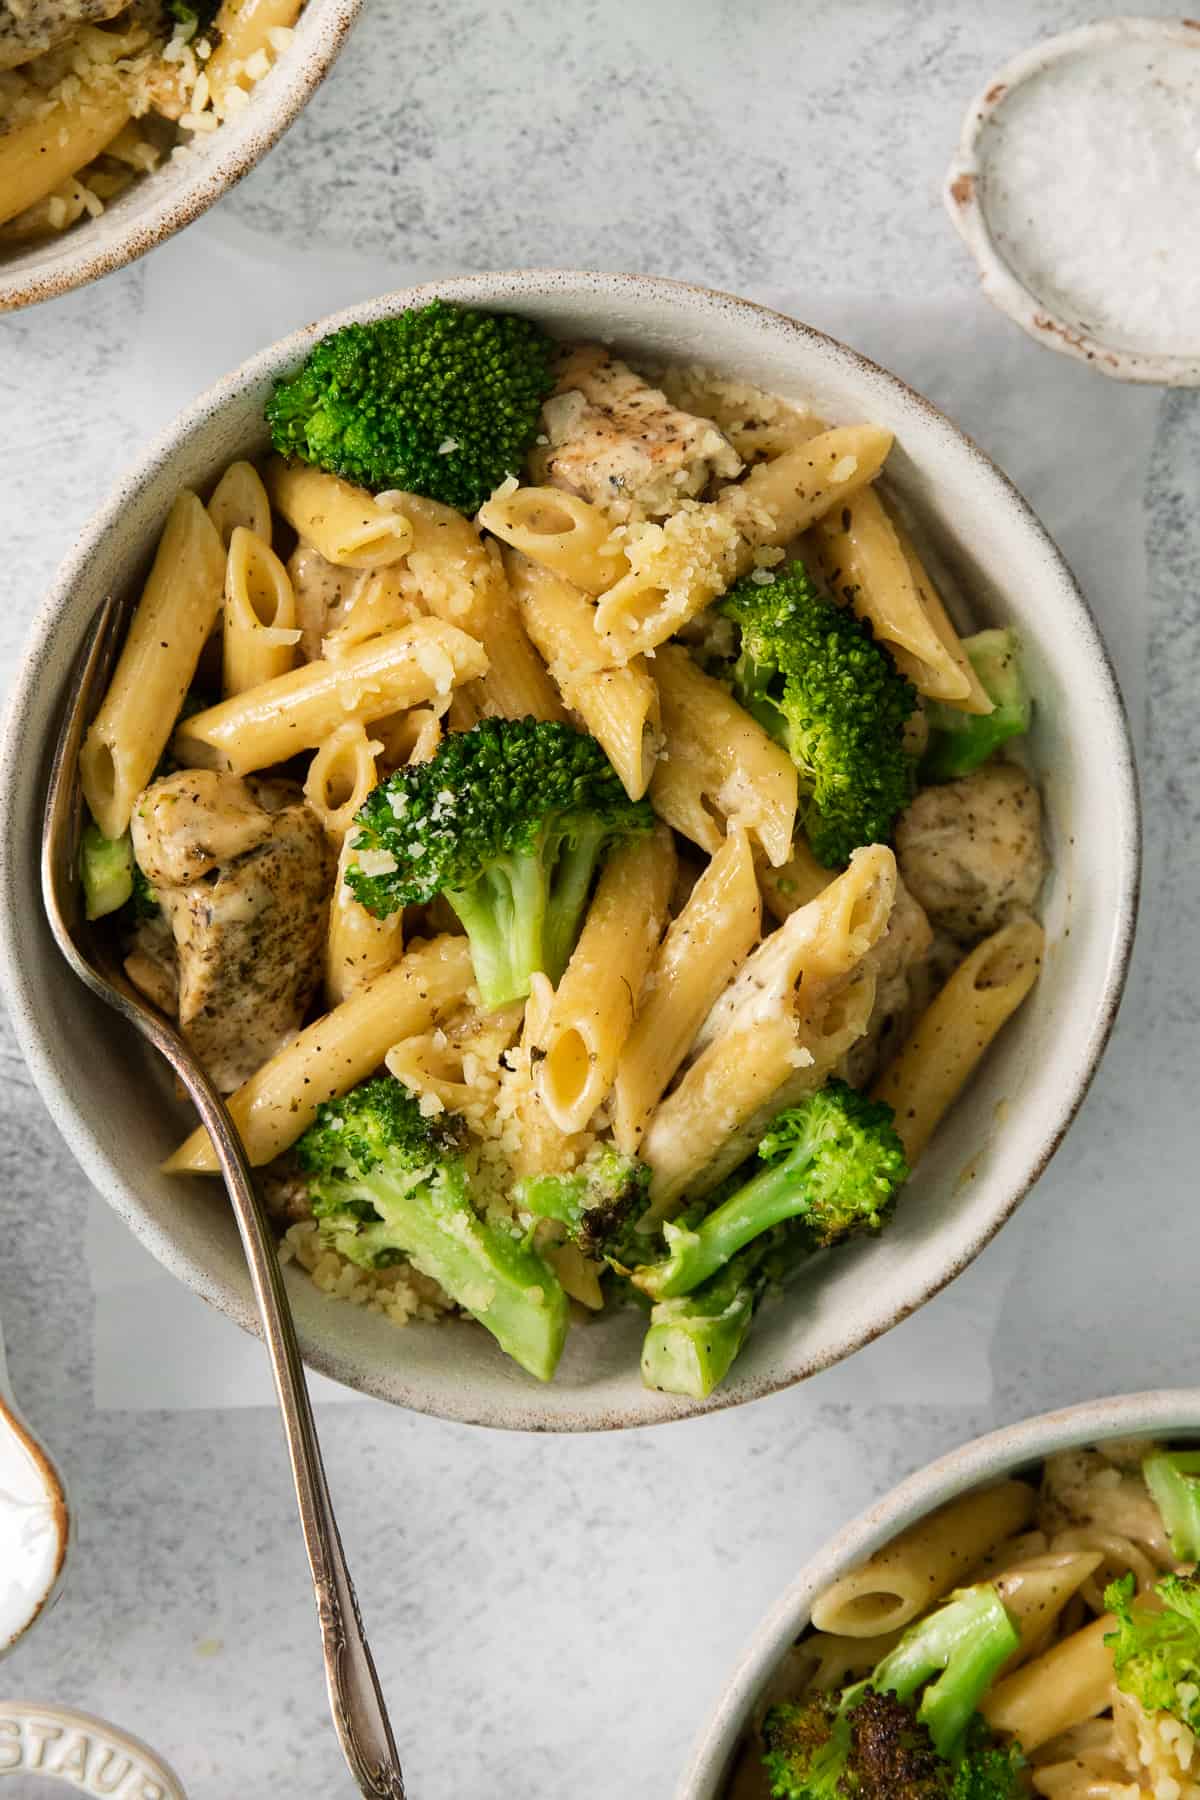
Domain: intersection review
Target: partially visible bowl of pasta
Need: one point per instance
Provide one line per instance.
(655, 1039)
(1039, 1536)
(121, 121)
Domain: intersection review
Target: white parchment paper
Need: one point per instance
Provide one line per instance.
(1077, 445)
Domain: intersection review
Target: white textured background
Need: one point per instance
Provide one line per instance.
(550, 1615)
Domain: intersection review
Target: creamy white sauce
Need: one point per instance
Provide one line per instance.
(1091, 187)
(32, 1524)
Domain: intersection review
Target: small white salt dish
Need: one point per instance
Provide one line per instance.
(35, 1522)
(1076, 187)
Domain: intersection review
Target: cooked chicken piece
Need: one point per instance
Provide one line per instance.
(618, 441)
(27, 27)
(898, 964)
(324, 592)
(971, 850)
(242, 872)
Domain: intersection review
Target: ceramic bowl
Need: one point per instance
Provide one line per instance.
(35, 1523)
(1074, 165)
(114, 1105)
(154, 208)
(1173, 1413)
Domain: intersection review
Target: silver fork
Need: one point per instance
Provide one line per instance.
(355, 1699)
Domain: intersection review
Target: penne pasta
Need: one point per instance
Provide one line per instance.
(240, 498)
(704, 947)
(1070, 1682)
(562, 532)
(244, 30)
(579, 1050)
(951, 1036)
(331, 1056)
(180, 604)
(345, 524)
(297, 711)
(358, 946)
(37, 157)
(341, 775)
(260, 633)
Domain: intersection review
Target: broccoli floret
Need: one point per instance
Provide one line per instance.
(911, 1731)
(598, 1202)
(388, 1185)
(1156, 1655)
(143, 901)
(441, 401)
(834, 1165)
(107, 871)
(1173, 1478)
(959, 741)
(509, 821)
(812, 675)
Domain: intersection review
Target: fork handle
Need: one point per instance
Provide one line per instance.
(355, 1699)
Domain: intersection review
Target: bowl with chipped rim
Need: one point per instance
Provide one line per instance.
(725, 1743)
(159, 204)
(116, 1109)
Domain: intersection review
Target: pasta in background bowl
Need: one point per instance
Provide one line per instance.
(1040, 1519)
(971, 525)
(121, 184)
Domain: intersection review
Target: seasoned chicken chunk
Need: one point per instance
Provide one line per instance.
(27, 27)
(898, 964)
(242, 872)
(618, 441)
(971, 850)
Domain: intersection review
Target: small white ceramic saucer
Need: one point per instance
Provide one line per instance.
(1076, 187)
(82, 1753)
(34, 1524)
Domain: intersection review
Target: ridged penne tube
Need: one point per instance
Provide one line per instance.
(1070, 1682)
(297, 711)
(579, 1050)
(862, 560)
(538, 1146)
(358, 946)
(620, 707)
(976, 700)
(346, 524)
(892, 1587)
(240, 498)
(1033, 1594)
(333, 1054)
(819, 943)
(561, 531)
(704, 947)
(382, 601)
(242, 30)
(825, 1661)
(518, 684)
(678, 568)
(341, 775)
(180, 604)
(949, 1039)
(718, 764)
(408, 737)
(37, 157)
(797, 881)
(260, 634)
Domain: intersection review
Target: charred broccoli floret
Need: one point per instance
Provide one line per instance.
(834, 1165)
(813, 676)
(389, 1185)
(598, 1202)
(509, 821)
(441, 401)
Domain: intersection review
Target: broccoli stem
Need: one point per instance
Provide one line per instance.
(697, 1252)
(495, 1277)
(1173, 1478)
(967, 1640)
(504, 916)
(576, 864)
(692, 1341)
(106, 870)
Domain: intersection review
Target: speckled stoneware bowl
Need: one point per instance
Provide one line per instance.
(1076, 165)
(154, 208)
(35, 1522)
(1173, 1412)
(114, 1104)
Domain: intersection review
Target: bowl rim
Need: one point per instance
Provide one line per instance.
(273, 108)
(528, 286)
(968, 212)
(1152, 1412)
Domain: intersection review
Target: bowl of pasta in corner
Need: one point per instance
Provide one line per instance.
(633, 810)
(1020, 1617)
(121, 121)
